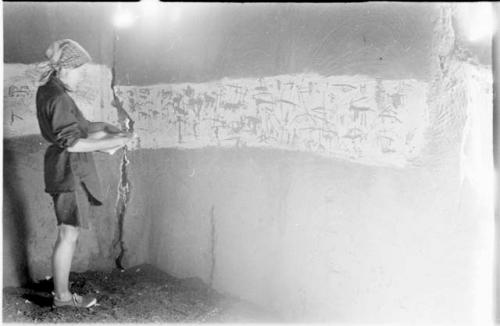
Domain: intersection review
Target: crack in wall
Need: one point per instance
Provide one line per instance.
(124, 186)
(212, 245)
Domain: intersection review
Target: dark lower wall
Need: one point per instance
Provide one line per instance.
(29, 222)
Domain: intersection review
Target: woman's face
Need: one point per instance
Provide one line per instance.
(71, 77)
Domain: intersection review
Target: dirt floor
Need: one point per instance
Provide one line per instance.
(141, 294)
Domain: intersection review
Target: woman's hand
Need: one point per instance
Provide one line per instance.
(111, 129)
(110, 151)
(97, 135)
(126, 139)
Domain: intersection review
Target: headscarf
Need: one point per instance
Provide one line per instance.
(66, 54)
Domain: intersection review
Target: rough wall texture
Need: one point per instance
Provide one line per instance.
(315, 237)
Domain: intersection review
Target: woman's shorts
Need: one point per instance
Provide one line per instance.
(75, 207)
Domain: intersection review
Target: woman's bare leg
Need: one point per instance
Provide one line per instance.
(61, 260)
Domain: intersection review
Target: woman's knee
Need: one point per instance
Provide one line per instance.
(68, 232)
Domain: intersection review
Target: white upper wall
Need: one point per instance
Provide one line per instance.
(357, 118)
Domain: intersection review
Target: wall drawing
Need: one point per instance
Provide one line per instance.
(358, 118)
(19, 95)
(19, 90)
(353, 117)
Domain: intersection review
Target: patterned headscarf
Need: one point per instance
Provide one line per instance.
(66, 54)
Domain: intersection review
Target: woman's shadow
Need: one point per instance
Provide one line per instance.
(17, 153)
(40, 293)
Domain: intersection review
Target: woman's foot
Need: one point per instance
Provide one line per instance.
(78, 301)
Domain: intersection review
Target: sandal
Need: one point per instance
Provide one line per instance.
(77, 301)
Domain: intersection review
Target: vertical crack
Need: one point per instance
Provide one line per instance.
(212, 244)
(124, 186)
(121, 206)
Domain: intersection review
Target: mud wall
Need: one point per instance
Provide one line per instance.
(351, 195)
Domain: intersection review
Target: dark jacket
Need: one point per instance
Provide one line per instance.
(62, 124)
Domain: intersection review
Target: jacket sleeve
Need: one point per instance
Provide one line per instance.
(64, 123)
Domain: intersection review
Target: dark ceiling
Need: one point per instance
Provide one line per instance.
(214, 40)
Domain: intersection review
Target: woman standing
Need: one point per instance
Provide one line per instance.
(69, 169)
